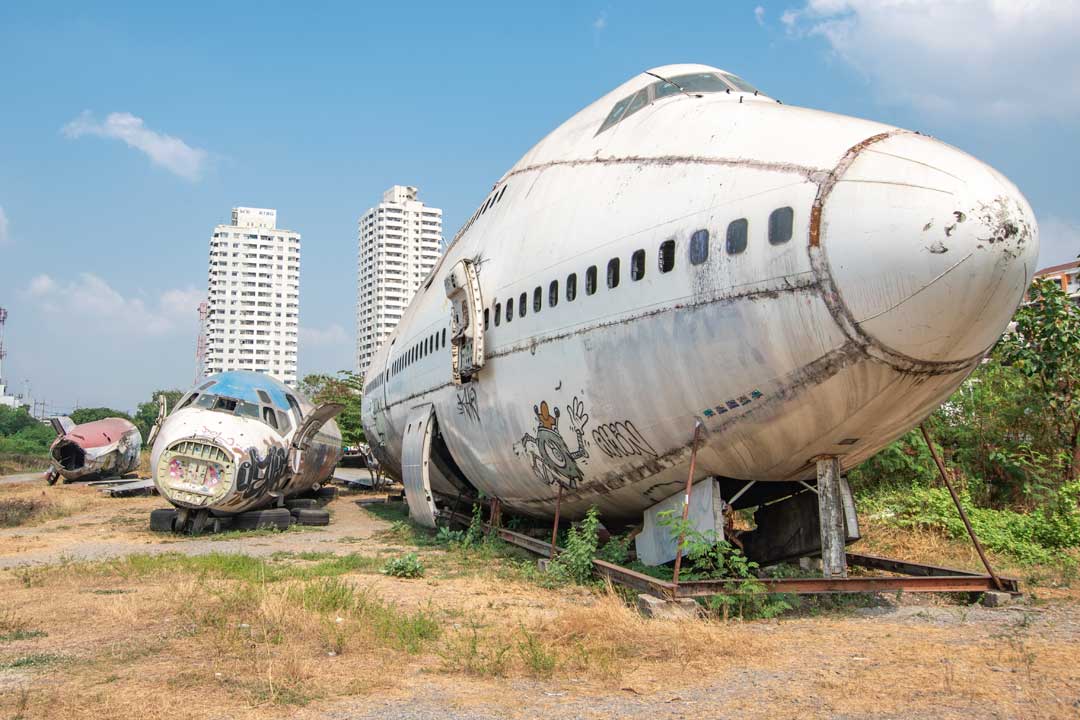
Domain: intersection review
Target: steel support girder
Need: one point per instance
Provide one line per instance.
(918, 578)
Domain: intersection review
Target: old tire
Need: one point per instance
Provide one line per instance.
(297, 503)
(312, 516)
(161, 520)
(327, 493)
(274, 518)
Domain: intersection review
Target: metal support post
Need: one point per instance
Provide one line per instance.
(831, 515)
(960, 509)
(698, 427)
(555, 525)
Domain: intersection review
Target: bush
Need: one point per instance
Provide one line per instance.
(406, 566)
(575, 562)
(1034, 537)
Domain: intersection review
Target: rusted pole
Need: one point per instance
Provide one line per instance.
(960, 509)
(555, 525)
(698, 427)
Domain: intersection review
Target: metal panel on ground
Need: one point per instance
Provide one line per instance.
(415, 451)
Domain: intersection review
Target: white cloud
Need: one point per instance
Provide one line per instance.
(1004, 59)
(1059, 241)
(600, 23)
(169, 152)
(759, 15)
(333, 334)
(5, 233)
(91, 301)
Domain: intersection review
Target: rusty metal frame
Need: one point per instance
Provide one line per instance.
(911, 577)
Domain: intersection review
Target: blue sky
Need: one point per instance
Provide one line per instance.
(128, 130)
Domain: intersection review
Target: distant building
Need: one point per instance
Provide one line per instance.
(399, 243)
(1067, 275)
(5, 399)
(253, 296)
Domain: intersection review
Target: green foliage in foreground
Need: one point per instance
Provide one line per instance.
(1038, 536)
(708, 557)
(406, 566)
(575, 563)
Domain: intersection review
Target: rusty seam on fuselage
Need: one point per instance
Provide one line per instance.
(830, 293)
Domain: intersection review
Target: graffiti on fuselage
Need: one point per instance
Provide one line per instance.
(621, 440)
(466, 403)
(258, 475)
(551, 457)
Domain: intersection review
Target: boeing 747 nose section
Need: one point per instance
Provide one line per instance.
(928, 249)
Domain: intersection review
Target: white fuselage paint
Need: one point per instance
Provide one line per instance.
(833, 343)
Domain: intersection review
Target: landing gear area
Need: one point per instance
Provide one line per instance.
(295, 511)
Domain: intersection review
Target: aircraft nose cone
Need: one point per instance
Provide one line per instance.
(930, 250)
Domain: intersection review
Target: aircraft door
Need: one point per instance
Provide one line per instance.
(304, 434)
(415, 454)
(466, 321)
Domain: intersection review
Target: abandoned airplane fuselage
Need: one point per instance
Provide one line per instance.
(685, 248)
(240, 441)
(102, 448)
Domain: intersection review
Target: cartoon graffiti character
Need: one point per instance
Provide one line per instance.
(552, 460)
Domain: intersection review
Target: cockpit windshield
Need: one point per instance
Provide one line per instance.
(278, 420)
(693, 83)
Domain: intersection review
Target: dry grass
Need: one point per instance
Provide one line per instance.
(22, 505)
(235, 636)
(11, 463)
(932, 547)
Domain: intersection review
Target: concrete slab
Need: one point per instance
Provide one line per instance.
(653, 607)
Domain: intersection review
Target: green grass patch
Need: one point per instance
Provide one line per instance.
(22, 635)
(34, 660)
(235, 566)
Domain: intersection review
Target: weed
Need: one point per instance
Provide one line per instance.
(538, 659)
(710, 557)
(32, 661)
(325, 595)
(406, 566)
(575, 562)
(474, 654)
(22, 635)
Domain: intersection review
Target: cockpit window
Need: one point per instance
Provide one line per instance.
(705, 82)
(700, 83)
(739, 83)
(231, 406)
(616, 113)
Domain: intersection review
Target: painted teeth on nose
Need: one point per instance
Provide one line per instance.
(928, 249)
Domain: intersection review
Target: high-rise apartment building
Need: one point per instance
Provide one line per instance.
(253, 302)
(399, 241)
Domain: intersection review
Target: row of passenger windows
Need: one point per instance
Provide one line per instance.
(419, 350)
(780, 229)
(736, 238)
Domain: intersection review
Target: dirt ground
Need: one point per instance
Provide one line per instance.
(99, 617)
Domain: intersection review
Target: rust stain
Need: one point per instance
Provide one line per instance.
(669, 160)
(826, 186)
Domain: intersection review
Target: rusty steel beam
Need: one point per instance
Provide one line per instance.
(819, 586)
(920, 578)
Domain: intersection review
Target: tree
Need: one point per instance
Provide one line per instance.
(346, 389)
(147, 412)
(23, 435)
(85, 415)
(1046, 348)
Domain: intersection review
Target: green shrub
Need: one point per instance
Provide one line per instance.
(406, 566)
(575, 562)
(1033, 537)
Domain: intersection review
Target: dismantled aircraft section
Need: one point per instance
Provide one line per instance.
(93, 450)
